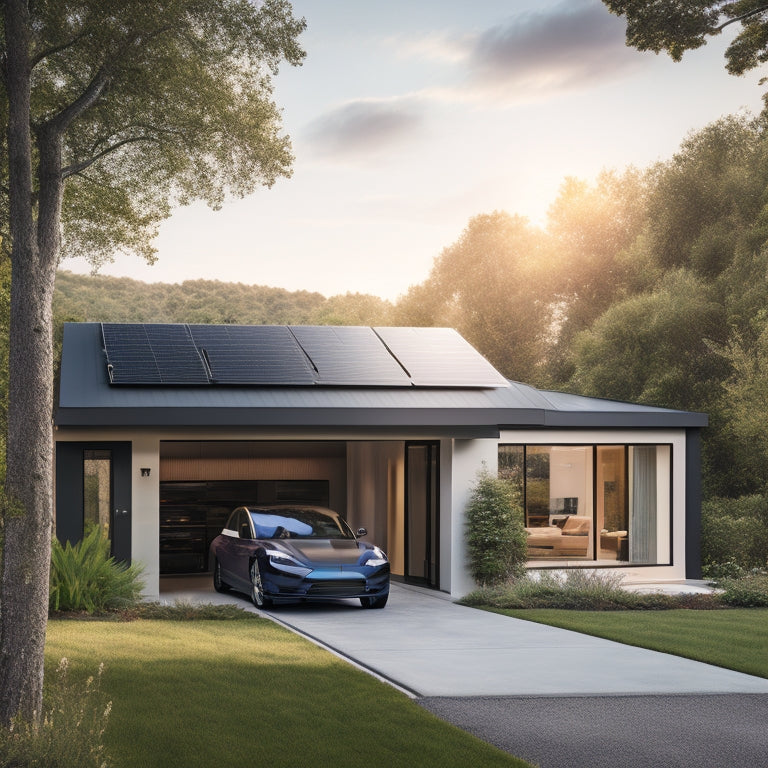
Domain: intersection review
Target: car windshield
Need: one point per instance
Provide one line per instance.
(299, 523)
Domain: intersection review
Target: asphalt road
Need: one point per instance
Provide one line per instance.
(720, 731)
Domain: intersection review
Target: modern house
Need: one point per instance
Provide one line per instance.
(162, 429)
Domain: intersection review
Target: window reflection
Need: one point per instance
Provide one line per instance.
(592, 502)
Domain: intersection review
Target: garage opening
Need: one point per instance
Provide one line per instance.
(202, 481)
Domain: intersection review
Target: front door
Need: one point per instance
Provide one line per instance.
(93, 487)
(422, 514)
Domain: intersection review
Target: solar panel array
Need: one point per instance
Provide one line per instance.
(252, 354)
(272, 355)
(440, 357)
(348, 355)
(152, 354)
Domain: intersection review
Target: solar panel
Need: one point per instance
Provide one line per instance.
(151, 354)
(440, 357)
(272, 355)
(350, 356)
(252, 354)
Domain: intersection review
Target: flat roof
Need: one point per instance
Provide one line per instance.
(88, 399)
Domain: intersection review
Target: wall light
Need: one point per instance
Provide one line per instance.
(145, 471)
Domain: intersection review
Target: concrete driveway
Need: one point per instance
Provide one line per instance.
(555, 698)
(430, 646)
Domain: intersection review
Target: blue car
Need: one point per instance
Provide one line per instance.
(290, 553)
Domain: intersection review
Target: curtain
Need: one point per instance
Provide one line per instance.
(642, 513)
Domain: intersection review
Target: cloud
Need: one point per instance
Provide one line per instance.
(571, 44)
(365, 126)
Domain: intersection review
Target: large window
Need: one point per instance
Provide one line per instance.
(597, 503)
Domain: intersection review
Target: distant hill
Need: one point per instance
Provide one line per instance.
(121, 299)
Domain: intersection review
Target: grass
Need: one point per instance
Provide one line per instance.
(234, 693)
(732, 638)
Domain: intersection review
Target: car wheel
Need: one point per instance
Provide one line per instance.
(257, 588)
(218, 584)
(374, 602)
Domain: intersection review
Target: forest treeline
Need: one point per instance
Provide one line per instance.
(645, 285)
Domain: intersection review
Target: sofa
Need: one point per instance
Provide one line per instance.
(570, 540)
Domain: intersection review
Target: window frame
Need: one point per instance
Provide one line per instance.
(594, 561)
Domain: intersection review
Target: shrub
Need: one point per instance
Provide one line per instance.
(496, 539)
(734, 535)
(750, 591)
(84, 577)
(70, 732)
(580, 590)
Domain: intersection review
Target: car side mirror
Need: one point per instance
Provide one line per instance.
(362, 531)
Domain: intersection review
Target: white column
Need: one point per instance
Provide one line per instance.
(145, 528)
(469, 457)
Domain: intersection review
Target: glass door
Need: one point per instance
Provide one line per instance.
(422, 514)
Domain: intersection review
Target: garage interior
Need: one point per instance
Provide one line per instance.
(389, 487)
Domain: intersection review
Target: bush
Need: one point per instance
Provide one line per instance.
(750, 591)
(84, 577)
(496, 538)
(580, 590)
(70, 733)
(734, 535)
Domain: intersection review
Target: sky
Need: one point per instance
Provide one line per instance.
(409, 117)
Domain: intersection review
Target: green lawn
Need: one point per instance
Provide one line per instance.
(734, 638)
(250, 693)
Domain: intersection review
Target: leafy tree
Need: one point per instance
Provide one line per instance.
(591, 227)
(491, 286)
(115, 109)
(676, 26)
(652, 348)
(352, 309)
(707, 198)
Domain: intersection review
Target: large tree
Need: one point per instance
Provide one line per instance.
(115, 110)
(493, 286)
(676, 26)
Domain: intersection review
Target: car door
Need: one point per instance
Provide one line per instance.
(242, 548)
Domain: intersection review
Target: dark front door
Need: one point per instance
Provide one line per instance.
(422, 514)
(93, 487)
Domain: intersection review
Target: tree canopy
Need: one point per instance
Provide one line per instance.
(113, 111)
(676, 26)
(155, 104)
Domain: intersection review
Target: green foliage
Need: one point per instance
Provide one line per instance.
(734, 535)
(173, 103)
(84, 577)
(496, 538)
(100, 298)
(750, 591)
(676, 26)
(651, 348)
(492, 287)
(579, 590)
(70, 734)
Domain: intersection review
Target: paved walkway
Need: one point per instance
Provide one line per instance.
(430, 646)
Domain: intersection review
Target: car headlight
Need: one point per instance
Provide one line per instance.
(377, 558)
(284, 562)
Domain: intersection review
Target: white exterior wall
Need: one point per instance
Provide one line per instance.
(466, 459)
(460, 460)
(145, 502)
(672, 441)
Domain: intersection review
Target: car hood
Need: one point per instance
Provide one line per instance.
(340, 551)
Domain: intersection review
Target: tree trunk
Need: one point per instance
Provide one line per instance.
(28, 507)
